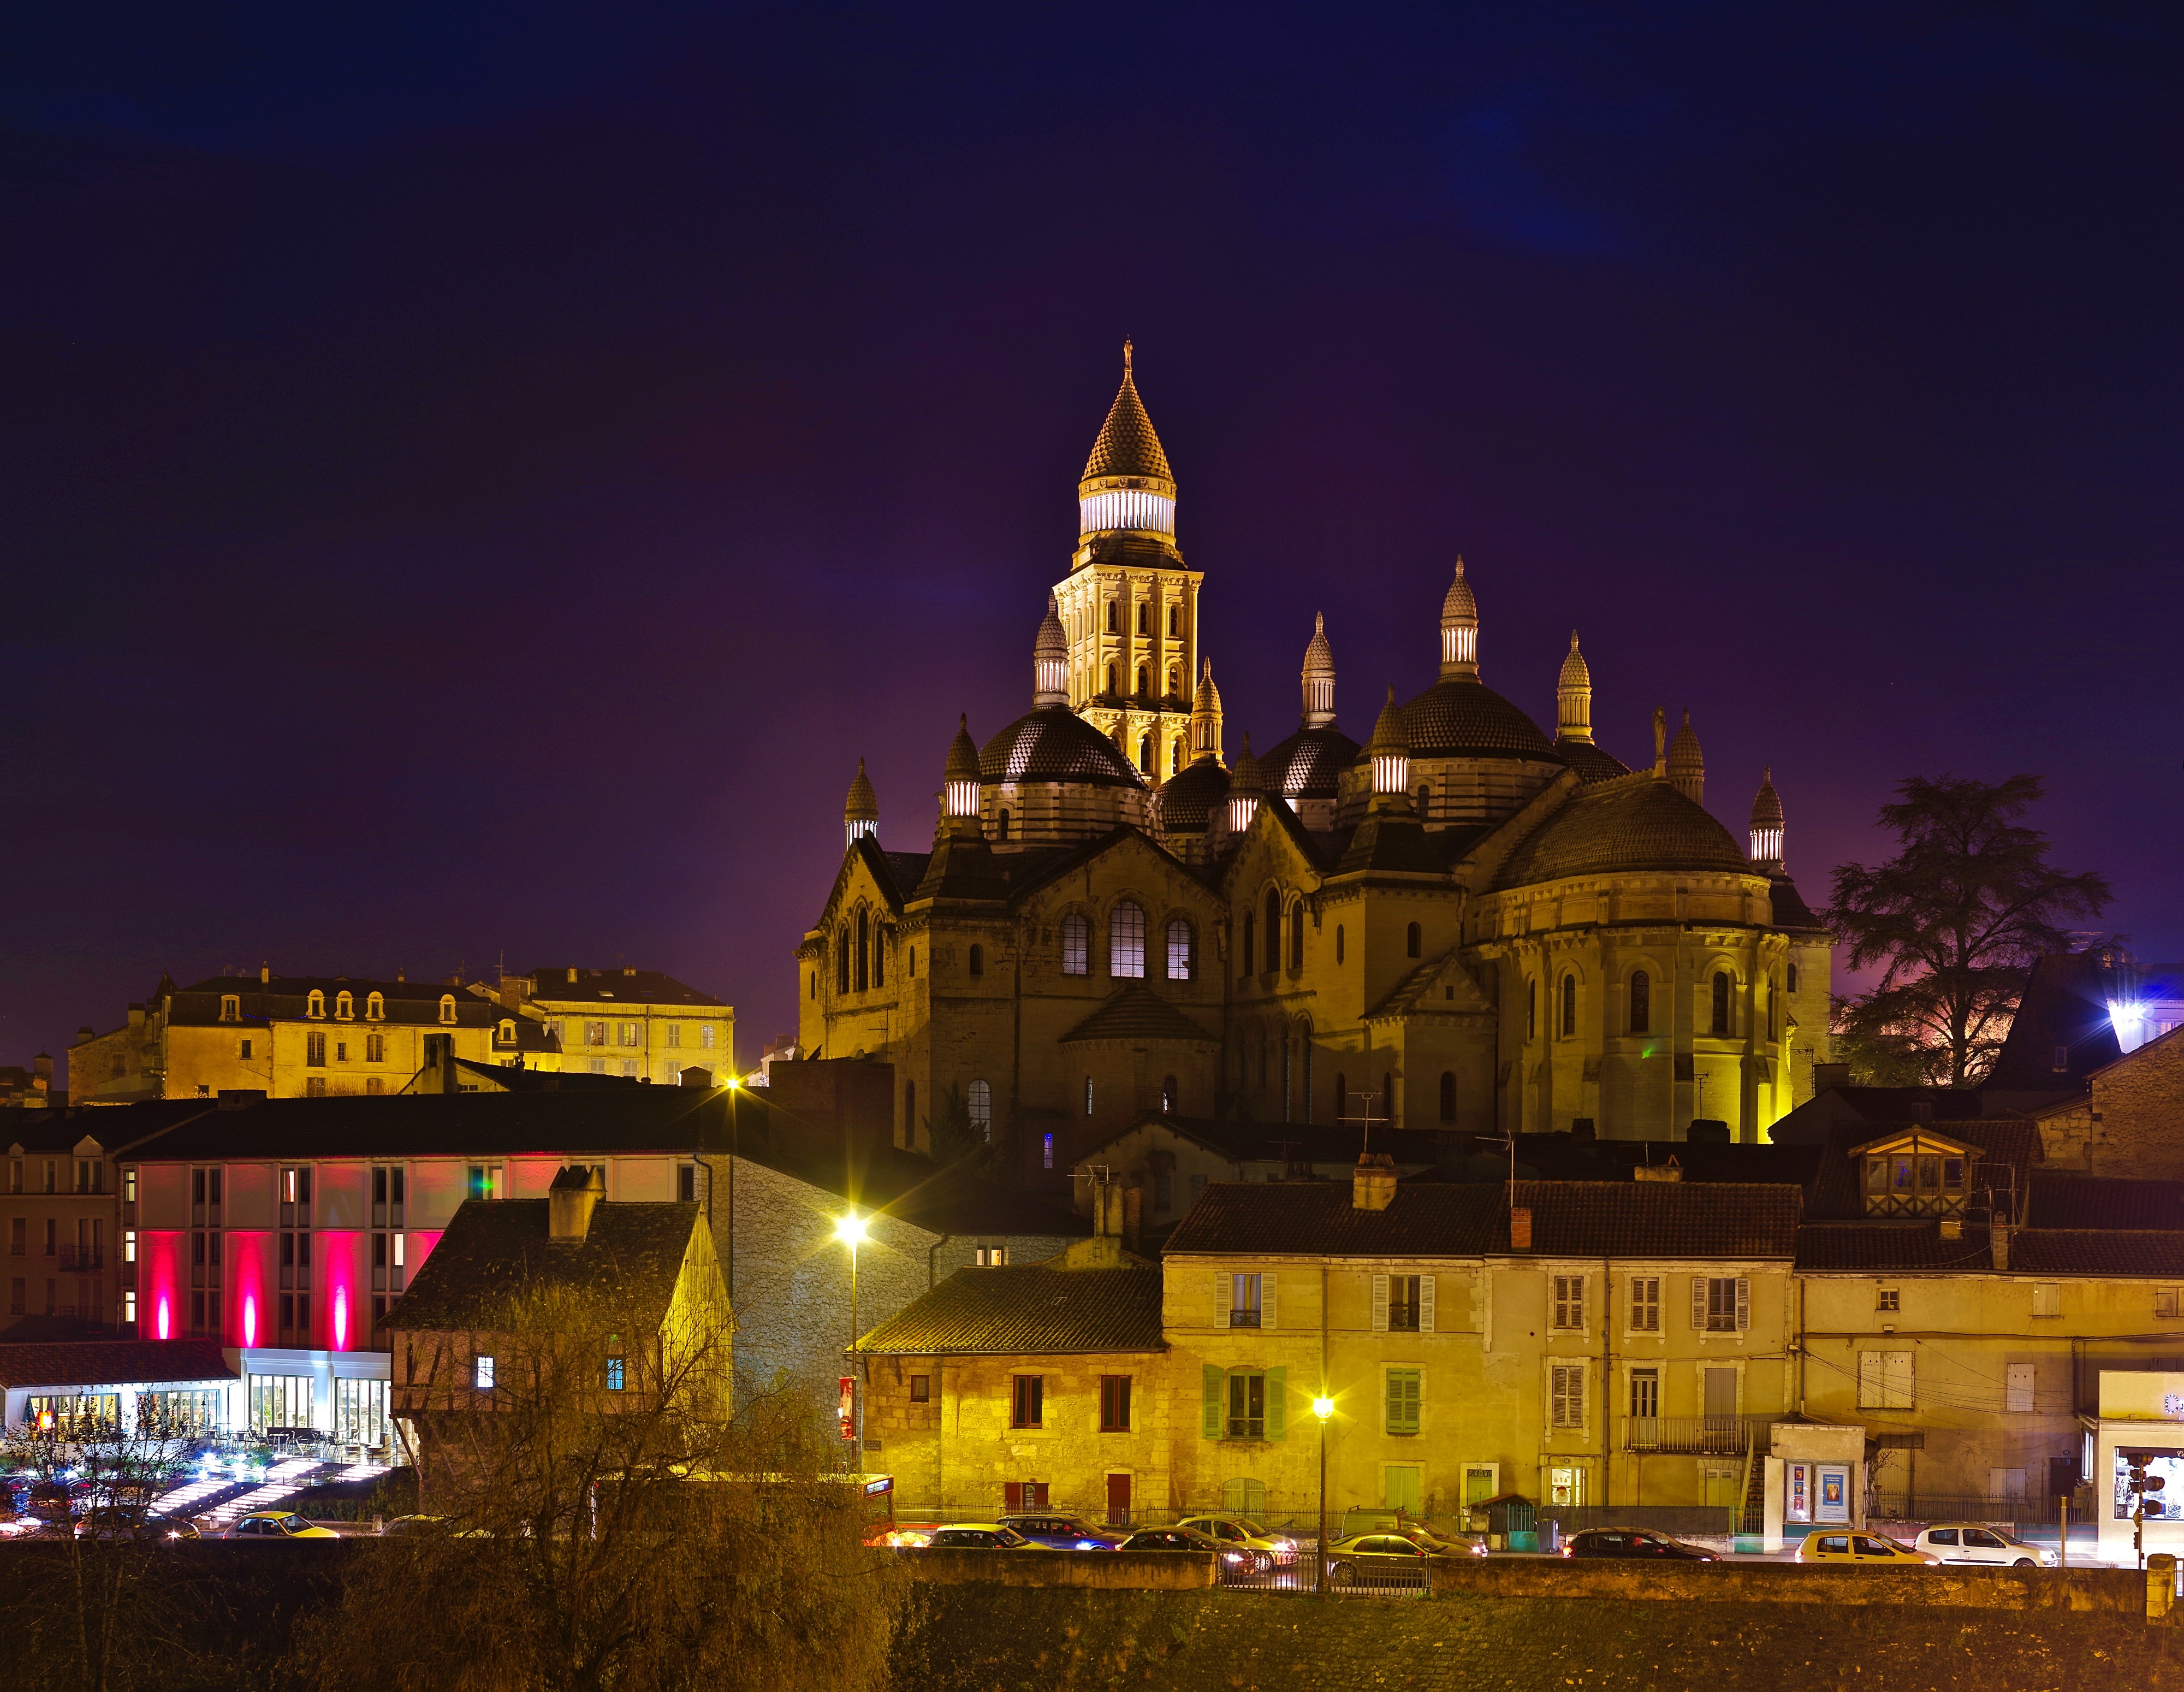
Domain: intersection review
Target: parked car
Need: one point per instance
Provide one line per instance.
(1443, 1545)
(979, 1536)
(133, 1522)
(262, 1525)
(401, 1524)
(1268, 1549)
(1868, 1549)
(1062, 1533)
(1188, 1539)
(1634, 1542)
(1363, 1555)
(1970, 1542)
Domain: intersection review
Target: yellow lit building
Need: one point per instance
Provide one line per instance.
(1467, 923)
(627, 1021)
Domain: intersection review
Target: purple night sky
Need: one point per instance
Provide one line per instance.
(475, 477)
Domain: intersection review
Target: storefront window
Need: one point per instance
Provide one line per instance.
(2163, 1463)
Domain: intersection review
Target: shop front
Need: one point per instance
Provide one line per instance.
(2138, 1465)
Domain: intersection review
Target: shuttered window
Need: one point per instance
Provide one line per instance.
(1566, 1395)
(1405, 1389)
(1884, 1380)
(2019, 1389)
(1569, 1301)
(1721, 1303)
(1645, 1304)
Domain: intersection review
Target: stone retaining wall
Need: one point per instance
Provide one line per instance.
(1113, 1571)
(2108, 1592)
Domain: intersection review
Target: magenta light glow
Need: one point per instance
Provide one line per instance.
(249, 1319)
(340, 1319)
(162, 1315)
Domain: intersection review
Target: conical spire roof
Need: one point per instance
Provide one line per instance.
(1388, 735)
(1126, 447)
(1318, 678)
(1244, 778)
(1687, 764)
(962, 753)
(1318, 656)
(1767, 804)
(863, 805)
(1208, 696)
(1051, 641)
(1458, 605)
(1576, 672)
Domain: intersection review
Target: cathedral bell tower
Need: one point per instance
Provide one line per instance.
(1129, 605)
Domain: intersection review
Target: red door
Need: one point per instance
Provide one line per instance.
(1118, 1500)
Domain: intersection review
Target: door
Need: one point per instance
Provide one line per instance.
(1406, 1484)
(1118, 1500)
(1720, 1408)
(1983, 1545)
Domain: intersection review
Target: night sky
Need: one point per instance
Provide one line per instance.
(475, 478)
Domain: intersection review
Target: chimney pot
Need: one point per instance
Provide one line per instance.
(576, 1192)
(1373, 1185)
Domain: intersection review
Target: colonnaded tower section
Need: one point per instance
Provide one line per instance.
(1129, 605)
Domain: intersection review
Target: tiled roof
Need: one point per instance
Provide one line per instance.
(112, 1362)
(287, 999)
(1389, 844)
(2077, 1201)
(1318, 1142)
(2008, 1148)
(1314, 1218)
(1464, 718)
(1055, 744)
(498, 1249)
(1590, 762)
(2064, 1008)
(1791, 910)
(1880, 1248)
(1308, 765)
(1655, 1219)
(2087, 1251)
(608, 986)
(1030, 1311)
(1186, 800)
(1136, 1012)
(1633, 822)
(1127, 445)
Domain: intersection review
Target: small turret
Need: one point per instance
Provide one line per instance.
(1573, 697)
(959, 797)
(1767, 833)
(1686, 763)
(1050, 659)
(1246, 787)
(1459, 628)
(1391, 753)
(861, 811)
(1205, 717)
(1318, 677)
(961, 866)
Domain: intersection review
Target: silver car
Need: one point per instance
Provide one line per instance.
(1972, 1542)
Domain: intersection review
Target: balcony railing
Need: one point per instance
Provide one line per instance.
(1725, 1436)
(77, 1261)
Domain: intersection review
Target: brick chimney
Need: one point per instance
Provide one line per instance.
(1372, 1186)
(1520, 1227)
(570, 1202)
(1998, 1244)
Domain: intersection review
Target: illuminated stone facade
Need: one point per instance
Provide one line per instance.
(1469, 923)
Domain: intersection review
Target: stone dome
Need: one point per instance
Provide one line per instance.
(1055, 744)
(1463, 718)
(1189, 801)
(1309, 764)
(1635, 824)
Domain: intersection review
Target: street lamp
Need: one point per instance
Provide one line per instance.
(851, 1230)
(1322, 1407)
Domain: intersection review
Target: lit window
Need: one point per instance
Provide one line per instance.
(1182, 951)
(629, 1034)
(981, 1106)
(1126, 941)
(447, 1008)
(613, 1369)
(481, 1374)
(230, 1008)
(705, 1035)
(1046, 1152)
(345, 1006)
(315, 1005)
(1076, 945)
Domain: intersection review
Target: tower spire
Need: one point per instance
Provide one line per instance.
(1205, 717)
(1390, 752)
(1050, 659)
(1766, 827)
(861, 811)
(1126, 483)
(1318, 677)
(1687, 764)
(1573, 697)
(1459, 628)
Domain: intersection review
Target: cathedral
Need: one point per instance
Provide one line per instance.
(1464, 923)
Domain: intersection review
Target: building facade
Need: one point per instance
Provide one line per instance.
(627, 1021)
(1465, 923)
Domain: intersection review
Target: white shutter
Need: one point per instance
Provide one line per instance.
(1222, 1289)
(1743, 1302)
(1267, 1299)
(1380, 1304)
(1869, 1380)
(2020, 1387)
(1698, 1304)
(1896, 1379)
(1425, 1304)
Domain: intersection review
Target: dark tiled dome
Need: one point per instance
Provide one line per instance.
(1462, 717)
(1309, 764)
(1055, 744)
(1636, 822)
(1187, 801)
(1591, 763)
(1127, 445)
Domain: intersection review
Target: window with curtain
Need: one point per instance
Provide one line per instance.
(1126, 941)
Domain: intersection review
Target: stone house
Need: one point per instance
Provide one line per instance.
(2129, 1121)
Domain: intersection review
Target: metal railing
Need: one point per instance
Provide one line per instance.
(1677, 1519)
(1719, 1436)
(72, 1258)
(2003, 1512)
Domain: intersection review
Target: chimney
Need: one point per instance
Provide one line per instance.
(577, 1190)
(264, 974)
(629, 968)
(1670, 1170)
(1372, 1186)
(1520, 1228)
(1998, 1244)
(572, 978)
(1953, 1227)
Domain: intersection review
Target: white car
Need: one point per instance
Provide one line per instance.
(1967, 1542)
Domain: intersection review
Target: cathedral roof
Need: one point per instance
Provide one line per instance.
(1791, 910)
(1055, 744)
(1309, 764)
(1463, 718)
(1188, 800)
(1136, 1012)
(1127, 445)
(1634, 822)
(1589, 761)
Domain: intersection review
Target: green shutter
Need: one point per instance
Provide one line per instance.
(1216, 1387)
(1278, 1404)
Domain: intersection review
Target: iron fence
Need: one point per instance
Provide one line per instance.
(1345, 1578)
(2003, 1512)
(1716, 1436)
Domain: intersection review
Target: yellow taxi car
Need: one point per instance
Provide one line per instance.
(262, 1525)
(1871, 1550)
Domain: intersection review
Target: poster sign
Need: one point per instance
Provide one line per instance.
(849, 1407)
(1833, 1500)
(1797, 1492)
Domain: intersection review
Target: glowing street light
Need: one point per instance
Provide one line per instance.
(1323, 1407)
(850, 1230)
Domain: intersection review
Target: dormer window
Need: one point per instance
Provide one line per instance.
(1914, 1174)
(507, 1034)
(345, 1006)
(375, 1007)
(230, 1007)
(315, 1006)
(448, 1007)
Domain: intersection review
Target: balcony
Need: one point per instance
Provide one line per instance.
(75, 1261)
(1712, 1436)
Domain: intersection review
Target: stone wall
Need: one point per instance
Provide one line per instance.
(2131, 1123)
(1110, 1570)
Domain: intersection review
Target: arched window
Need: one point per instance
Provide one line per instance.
(1175, 619)
(909, 1114)
(1111, 615)
(1296, 937)
(1168, 1095)
(1448, 1095)
(1001, 825)
(1113, 675)
(315, 1006)
(375, 1007)
(979, 1103)
(1243, 953)
(977, 959)
(1046, 1156)
(1531, 1010)
(1088, 1108)
(1274, 929)
(1175, 681)
(864, 951)
(1146, 755)
(1641, 1002)
(1076, 945)
(1144, 618)
(447, 1006)
(842, 953)
(880, 938)
(1126, 941)
(1175, 755)
(1414, 940)
(507, 1034)
(1792, 977)
(1721, 1003)
(1570, 1006)
(1182, 950)
(1144, 678)
(1388, 1097)
(345, 1006)
(230, 1007)
(1338, 942)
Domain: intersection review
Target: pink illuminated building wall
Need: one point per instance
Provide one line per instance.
(163, 1285)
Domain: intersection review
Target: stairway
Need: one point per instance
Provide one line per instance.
(1753, 1517)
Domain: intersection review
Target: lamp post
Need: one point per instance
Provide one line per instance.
(851, 1230)
(1322, 1407)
